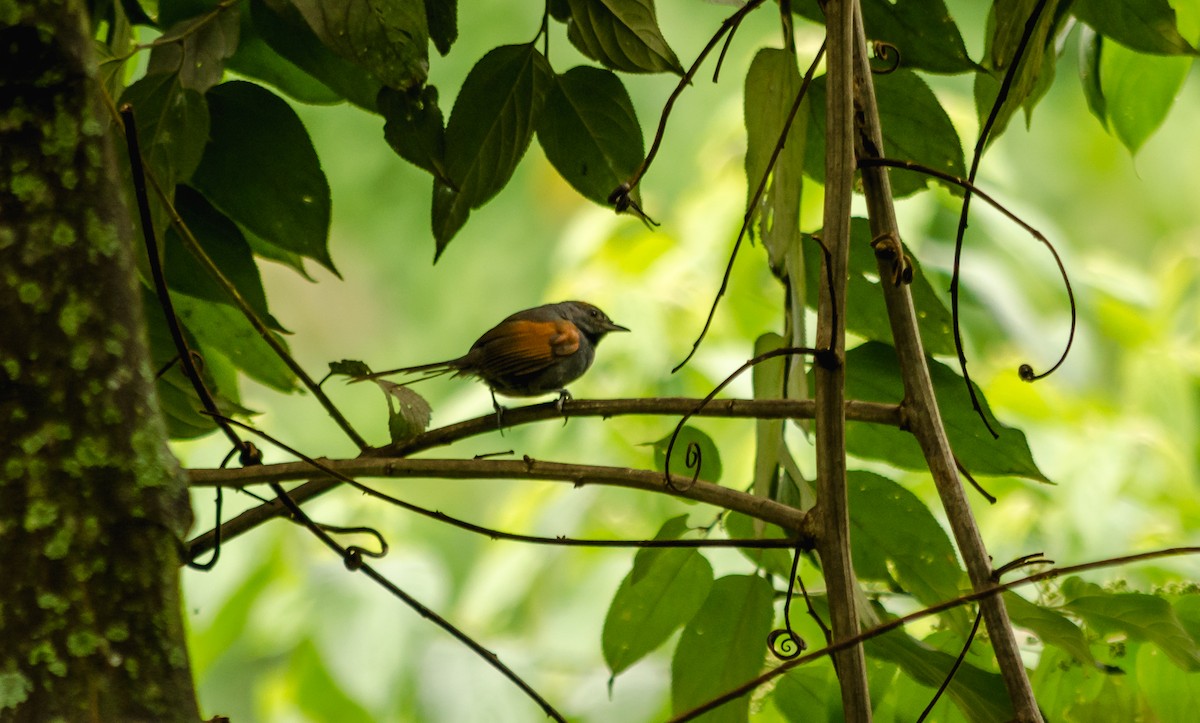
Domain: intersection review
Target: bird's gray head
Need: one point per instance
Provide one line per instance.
(590, 320)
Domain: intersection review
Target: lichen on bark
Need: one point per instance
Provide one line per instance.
(93, 507)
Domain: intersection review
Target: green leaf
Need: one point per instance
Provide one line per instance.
(1006, 25)
(723, 646)
(225, 245)
(978, 693)
(1142, 617)
(866, 312)
(663, 591)
(772, 85)
(1051, 627)
(260, 169)
(622, 35)
(1171, 693)
(767, 379)
(284, 29)
(690, 438)
(172, 123)
(493, 120)
(873, 375)
(442, 16)
(1139, 91)
(809, 693)
(1147, 26)
(388, 38)
(197, 48)
(916, 555)
(590, 132)
(413, 127)
(777, 561)
(915, 128)
(224, 329)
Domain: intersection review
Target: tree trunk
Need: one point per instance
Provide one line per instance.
(93, 508)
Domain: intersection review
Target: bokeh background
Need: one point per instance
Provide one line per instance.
(280, 631)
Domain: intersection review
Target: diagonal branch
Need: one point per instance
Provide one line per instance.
(924, 417)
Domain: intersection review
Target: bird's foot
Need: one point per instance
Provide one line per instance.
(499, 414)
(563, 397)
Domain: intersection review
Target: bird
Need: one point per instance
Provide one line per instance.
(532, 352)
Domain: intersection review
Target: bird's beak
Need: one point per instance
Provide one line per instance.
(610, 326)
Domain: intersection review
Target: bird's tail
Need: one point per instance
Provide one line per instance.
(429, 371)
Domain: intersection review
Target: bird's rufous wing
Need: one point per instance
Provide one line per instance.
(522, 347)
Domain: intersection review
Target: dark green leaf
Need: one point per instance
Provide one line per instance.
(590, 132)
(284, 29)
(173, 125)
(723, 646)
(866, 313)
(1006, 25)
(223, 329)
(225, 245)
(410, 414)
(388, 38)
(197, 48)
(915, 128)
(772, 85)
(1051, 627)
(978, 693)
(1142, 617)
(1139, 91)
(1090, 45)
(442, 16)
(256, 59)
(177, 397)
(872, 375)
(261, 170)
(809, 693)
(691, 441)
(922, 30)
(1147, 26)
(621, 34)
(349, 367)
(917, 555)
(449, 213)
(663, 591)
(413, 127)
(493, 120)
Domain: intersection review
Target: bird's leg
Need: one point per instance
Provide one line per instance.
(563, 397)
(499, 413)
